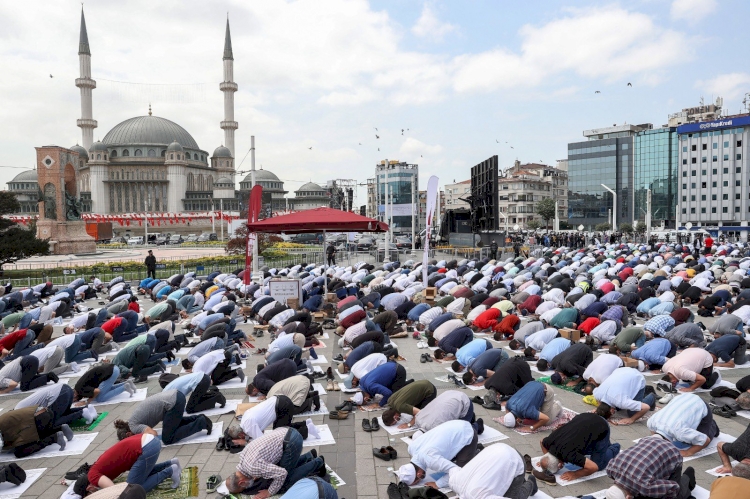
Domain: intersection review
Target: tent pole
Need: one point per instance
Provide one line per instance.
(325, 272)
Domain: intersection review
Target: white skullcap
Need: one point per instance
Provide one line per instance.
(509, 420)
(358, 398)
(641, 366)
(407, 474)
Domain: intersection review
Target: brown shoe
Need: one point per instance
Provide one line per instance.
(338, 415)
(402, 334)
(544, 477)
(527, 466)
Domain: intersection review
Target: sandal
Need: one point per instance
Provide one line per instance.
(338, 414)
(366, 425)
(374, 424)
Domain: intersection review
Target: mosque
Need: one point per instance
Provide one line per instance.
(152, 164)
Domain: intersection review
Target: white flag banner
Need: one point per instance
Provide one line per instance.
(432, 192)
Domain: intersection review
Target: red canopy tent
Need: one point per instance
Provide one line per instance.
(318, 220)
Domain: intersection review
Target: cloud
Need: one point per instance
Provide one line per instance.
(692, 11)
(429, 26)
(608, 43)
(728, 85)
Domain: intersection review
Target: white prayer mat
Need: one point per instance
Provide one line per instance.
(10, 491)
(489, 436)
(230, 406)
(232, 384)
(740, 366)
(257, 398)
(558, 475)
(319, 388)
(549, 372)
(445, 379)
(17, 390)
(320, 360)
(367, 408)
(682, 384)
(138, 396)
(723, 437)
(242, 366)
(698, 493)
(744, 414)
(326, 437)
(82, 368)
(323, 411)
(325, 336)
(348, 390)
(183, 351)
(395, 430)
(201, 437)
(75, 447)
(341, 376)
(317, 369)
(713, 471)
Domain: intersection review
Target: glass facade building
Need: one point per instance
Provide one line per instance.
(398, 177)
(656, 159)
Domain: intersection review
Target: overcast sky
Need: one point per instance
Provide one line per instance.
(467, 79)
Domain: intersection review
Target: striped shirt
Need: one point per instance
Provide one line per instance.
(678, 420)
(260, 458)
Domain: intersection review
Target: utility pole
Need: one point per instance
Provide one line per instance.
(413, 217)
(252, 184)
(648, 214)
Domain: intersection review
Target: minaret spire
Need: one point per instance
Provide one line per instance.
(87, 123)
(229, 87)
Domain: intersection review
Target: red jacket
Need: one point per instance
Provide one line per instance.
(112, 324)
(9, 340)
(133, 305)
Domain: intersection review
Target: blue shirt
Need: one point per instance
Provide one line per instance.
(724, 346)
(489, 359)
(435, 449)
(467, 353)
(653, 352)
(359, 353)
(163, 292)
(208, 320)
(439, 321)
(186, 383)
(313, 303)
(302, 489)
(680, 420)
(176, 295)
(380, 380)
(527, 401)
(417, 311)
(554, 347)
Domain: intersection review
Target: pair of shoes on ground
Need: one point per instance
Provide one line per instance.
(338, 414)
(398, 491)
(370, 425)
(425, 357)
(421, 344)
(385, 453)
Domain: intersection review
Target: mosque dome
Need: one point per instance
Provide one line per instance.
(143, 130)
(98, 146)
(222, 152)
(82, 152)
(262, 175)
(27, 176)
(175, 147)
(310, 186)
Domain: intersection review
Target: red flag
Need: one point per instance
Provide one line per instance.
(253, 212)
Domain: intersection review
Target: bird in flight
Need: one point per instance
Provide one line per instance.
(376, 128)
(630, 84)
(377, 136)
(421, 156)
(378, 148)
(51, 76)
(310, 148)
(512, 147)
(597, 92)
(360, 143)
(498, 141)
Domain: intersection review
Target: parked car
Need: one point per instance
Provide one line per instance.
(161, 240)
(135, 240)
(118, 240)
(191, 238)
(175, 239)
(402, 243)
(307, 238)
(365, 243)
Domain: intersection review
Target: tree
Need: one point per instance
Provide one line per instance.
(546, 209)
(16, 242)
(640, 228)
(565, 225)
(602, 227)
(533, 224)
(236, 245)
(626, 228)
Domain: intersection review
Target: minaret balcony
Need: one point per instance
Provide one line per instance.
(85, 123)
(228, 86)
(231, 125)
(85, 83)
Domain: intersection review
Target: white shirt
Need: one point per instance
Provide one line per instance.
(43, 354)
(538, 340)
(476, 312)
(602, 367)
(488, 475)
(80, 320)
(620, 389)
(280, 318)
(63, 341)
(208, 362)
(364, 366)
(283, 341)
(744, 314)
(260, 417)
(545, 306)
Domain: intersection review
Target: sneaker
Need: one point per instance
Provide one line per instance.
(544, 477)
(72, 476)
(339, 358)
(666, 398)
(213, 483)
(527, 466)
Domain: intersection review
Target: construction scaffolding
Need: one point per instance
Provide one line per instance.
(342, 194)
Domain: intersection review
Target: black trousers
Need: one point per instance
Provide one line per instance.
(400, 380)
(151, 273)
(427, 399)
(30, 378)
(142, 366)
(61, 408)
(203, 397)
(468, 452)
(222, 372)
(47, 435)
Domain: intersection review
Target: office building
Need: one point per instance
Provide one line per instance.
(713, 180)
(606, 157)
(656, 159)
(397, 183)
(524, 185)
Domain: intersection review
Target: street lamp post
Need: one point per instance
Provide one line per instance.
(614, 207)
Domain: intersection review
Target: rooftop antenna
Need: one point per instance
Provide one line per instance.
(149, 109)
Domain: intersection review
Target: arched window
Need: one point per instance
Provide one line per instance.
(113, 154)
(187, 155)
(151, 153)
(105, 156)
(126, 152)
(164, 154)
(138, 152)
(171, 156)
(98, 156)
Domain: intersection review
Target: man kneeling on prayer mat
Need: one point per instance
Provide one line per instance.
(687, 422)
(535, 404)
(497, 471)
(277, 411)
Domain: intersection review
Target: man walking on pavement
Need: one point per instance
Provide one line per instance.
(331, 254)
(151, 264)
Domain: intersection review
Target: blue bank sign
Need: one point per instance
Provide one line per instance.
(707, 126)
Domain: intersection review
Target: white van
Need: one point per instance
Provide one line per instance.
(688, 236)
(135, 240)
